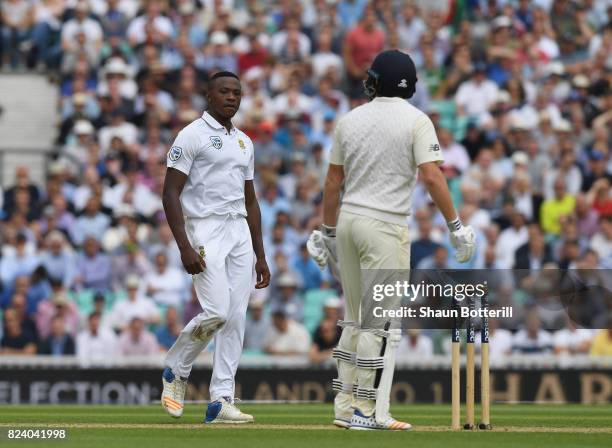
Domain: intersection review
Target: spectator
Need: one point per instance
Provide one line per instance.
(192, 307)
(58, 260)
(308, 270)
(503, 340)
(135, 306)
(601, 242)
(15, 341)
(166, 285)
(535, 253)
(84, 26)
(19, 305)
(17, 18)
(58, 304)
(602, 343)
(553, 209)
(361, 44)
(286, 336)
(287, 297)
(96, 342)
(136, 340)
(476, 95)
(58, 343)
(257, 326)
(151, 25)
(510, 240)
(22, 182)
(572, 340)
(18, 261)
(415, 345)
(325, 339)
(167, 334)
(92, 222)
(532, 339)
(93, 267)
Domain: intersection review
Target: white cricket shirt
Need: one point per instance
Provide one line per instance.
(381, 144)
(217, 163)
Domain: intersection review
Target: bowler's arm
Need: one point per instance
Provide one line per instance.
(254, 221)
(171, 199)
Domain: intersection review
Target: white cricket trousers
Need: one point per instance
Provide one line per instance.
(223, 290)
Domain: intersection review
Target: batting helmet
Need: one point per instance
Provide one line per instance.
(392, 74)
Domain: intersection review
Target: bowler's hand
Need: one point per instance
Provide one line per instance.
(263, 274)
(192, 261)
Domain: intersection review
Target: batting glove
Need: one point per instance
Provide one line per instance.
(316, 249)
(463, 239)
(321, 246)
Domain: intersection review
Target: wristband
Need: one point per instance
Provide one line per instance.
(454, 225)
(328, 231)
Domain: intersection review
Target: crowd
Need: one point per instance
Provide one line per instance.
(520, 93)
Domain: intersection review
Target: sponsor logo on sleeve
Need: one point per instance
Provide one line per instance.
(175, 153)
(434, 147)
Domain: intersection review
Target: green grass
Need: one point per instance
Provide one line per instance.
(309, 426)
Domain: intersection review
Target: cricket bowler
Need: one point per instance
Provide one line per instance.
(378, 150)
(211, 207)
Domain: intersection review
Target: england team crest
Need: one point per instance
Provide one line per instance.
(216, 142)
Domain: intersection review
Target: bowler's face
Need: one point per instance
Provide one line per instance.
(224, 96)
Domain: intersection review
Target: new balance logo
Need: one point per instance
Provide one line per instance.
(403, 84)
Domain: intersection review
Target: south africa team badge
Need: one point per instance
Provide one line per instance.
(216, 142)
(175, 153)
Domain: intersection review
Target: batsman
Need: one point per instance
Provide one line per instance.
(379, 149)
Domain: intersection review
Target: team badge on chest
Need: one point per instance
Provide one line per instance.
(241, 144)
(216, 142)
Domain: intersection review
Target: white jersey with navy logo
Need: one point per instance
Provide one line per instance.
(217, 163)
(381, 144)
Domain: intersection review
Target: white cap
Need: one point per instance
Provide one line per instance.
(132, 281)
(83, 127)
(333, 302)
(503, 96)
(125, 210)
(286, 280)
(116, 65)
(55, 236)
(219, 38)
(518, 123)
(253, 73)
(520, 158)
(562, 126)
(555, 68)
(502, 22)
(581, 81)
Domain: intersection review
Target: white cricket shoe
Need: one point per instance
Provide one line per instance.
(173, 394)
(361, 422)
(225, 411)
(342, 420)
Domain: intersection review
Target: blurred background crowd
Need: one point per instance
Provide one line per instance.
(520, 93)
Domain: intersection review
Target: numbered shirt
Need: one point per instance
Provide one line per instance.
(217, 163)
(381, 144)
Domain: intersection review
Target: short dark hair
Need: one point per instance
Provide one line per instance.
(222, 74)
